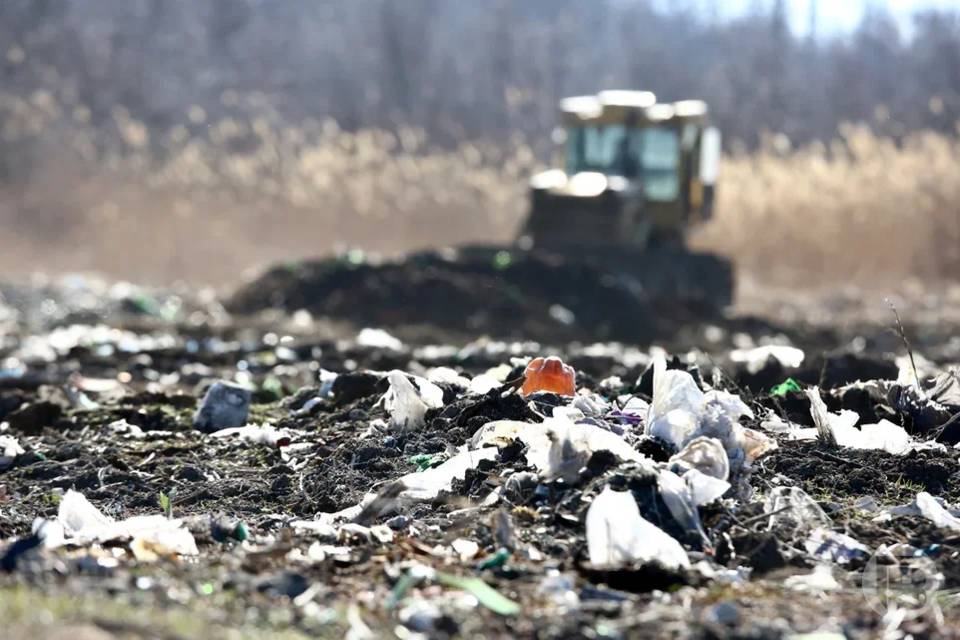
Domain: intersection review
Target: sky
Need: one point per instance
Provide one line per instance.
(832, 15)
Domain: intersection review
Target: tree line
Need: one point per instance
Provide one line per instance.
(478, 69)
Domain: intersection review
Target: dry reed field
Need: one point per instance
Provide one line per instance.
(209, 199)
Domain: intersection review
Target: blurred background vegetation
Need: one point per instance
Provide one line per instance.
(165, 139)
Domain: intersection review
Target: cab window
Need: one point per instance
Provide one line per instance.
(660, 162)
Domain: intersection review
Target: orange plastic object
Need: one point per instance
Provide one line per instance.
(549, 374)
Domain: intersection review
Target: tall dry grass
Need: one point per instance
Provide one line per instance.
(210, 199)
(207, 200)
(862, 209)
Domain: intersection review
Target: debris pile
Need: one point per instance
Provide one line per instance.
(367, 484)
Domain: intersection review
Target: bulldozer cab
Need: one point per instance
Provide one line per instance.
(635, 172)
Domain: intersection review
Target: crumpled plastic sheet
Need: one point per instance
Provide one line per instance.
(832, 546)
(819, 580)
(407, 404)
(79, 522)
(9, 450)
(446, 375)
(681, 412)
(913, 509)
(840, 429)
(755, 359)
(683, 495)
(707, 455)
(592, 405)
(378, 339)
(557, 447)
(427, 485)
(792, 508)
(935, 512)
(256, 434)
(413, 487)
(618, 535)
(944, 389)
(677, 403)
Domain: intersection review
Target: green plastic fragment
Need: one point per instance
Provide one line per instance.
(787, 386)
(146, 304)
(484, 593)
(226, 529)
(240, 532)
(273, 386)
(426, 461)
(496, 560)
(206, 589)
(404, 584)
(502, 260)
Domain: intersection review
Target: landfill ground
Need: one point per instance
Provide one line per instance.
(100, 384)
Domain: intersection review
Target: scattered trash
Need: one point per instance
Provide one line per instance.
(549, 374)
(9, 450)
(256, 434)
(84, 524)
(681, 502)
(483, 384)
(935, 513)
(819, 580)
(755, 359)
(617, 535)
(681, 412)
(726, 614)
(427, 485)
(484, 593)
(424, 461)
(836, 547)
(792, 509)
(495, 560)
(225, 405)
(704, 454)
(465, 549)
(559, 588)
(574, 509)
(839, 429)
(408, 404)
(378, 339)
(123, 427)
(420, 616)
(223, 529)
(557, 448)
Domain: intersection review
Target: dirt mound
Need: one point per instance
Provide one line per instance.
(502, 293)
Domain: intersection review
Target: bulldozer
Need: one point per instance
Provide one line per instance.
(600, 255)
(634, 176)
(636, 173)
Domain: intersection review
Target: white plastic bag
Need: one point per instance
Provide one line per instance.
(618, 535)
(557, 447)
(840, 429)
(403, 403)
(707, 455)
(84, 524)
(793, 508)
(755, 359)
(427, 485)
(934, 511)
(677, 403)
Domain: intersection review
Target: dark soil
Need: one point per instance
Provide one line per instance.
(154, 377)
